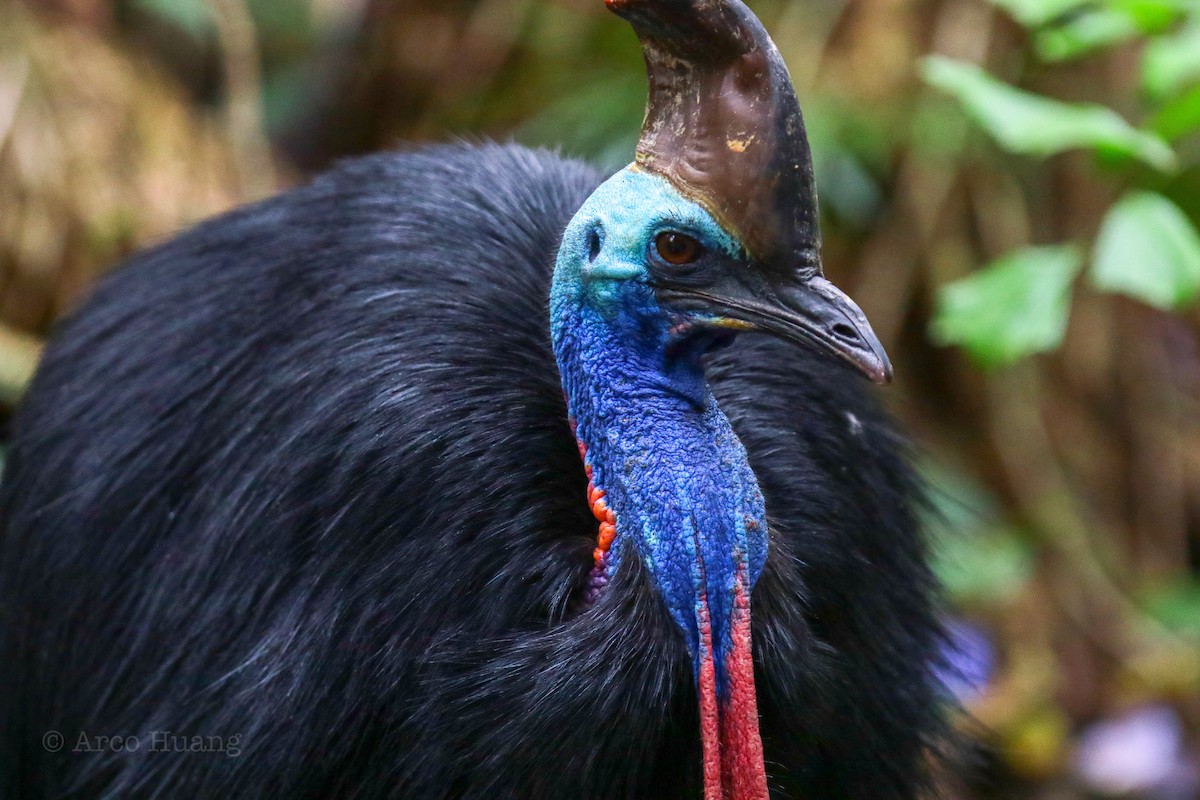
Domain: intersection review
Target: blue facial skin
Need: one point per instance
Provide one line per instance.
(675, 474)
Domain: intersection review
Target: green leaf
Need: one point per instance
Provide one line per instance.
(1175, 605)
(1148, 249)
(1027, 123)
(1146, 15)
(1169, 63)
(1035, 13)
(1179, 117)
(1015, 306)
(1085, 33)
(1097, 26)
(992, 566)
(1152, 16)
(975, 555)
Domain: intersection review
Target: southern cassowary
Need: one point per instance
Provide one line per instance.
(296, 507)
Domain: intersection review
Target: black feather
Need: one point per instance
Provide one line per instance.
(303, 476)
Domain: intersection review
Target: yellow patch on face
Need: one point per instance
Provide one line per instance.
(739, 145)
(732, 324)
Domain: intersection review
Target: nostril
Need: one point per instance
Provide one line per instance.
(594, 244)
(844, 331)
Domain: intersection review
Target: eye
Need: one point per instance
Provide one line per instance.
(677, 248)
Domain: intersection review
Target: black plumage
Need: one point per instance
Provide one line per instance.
(303, 476)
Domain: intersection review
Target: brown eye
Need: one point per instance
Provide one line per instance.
(677, 248)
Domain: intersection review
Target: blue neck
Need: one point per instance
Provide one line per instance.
(665, 465)
(676, 476)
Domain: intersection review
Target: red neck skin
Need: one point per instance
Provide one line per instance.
(733, 753)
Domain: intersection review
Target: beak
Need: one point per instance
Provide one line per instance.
(811, 312)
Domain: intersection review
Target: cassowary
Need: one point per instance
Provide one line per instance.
(454, 475)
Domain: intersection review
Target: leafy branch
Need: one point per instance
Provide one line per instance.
(1147, 247)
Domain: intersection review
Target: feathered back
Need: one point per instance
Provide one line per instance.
(303, 476)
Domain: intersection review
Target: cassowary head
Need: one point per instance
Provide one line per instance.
(715, 224)
(712, 230)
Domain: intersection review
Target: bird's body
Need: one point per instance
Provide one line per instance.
(303, 479)
(449, 476)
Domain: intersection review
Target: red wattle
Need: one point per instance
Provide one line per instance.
(732, 744)
(710, 720)
(742, 751)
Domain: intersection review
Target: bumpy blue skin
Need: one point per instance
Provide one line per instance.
(675, 474)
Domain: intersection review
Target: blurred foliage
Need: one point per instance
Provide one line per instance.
(1015, 306)
(1147, 248)
(1026, 123)
(1010, 189)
